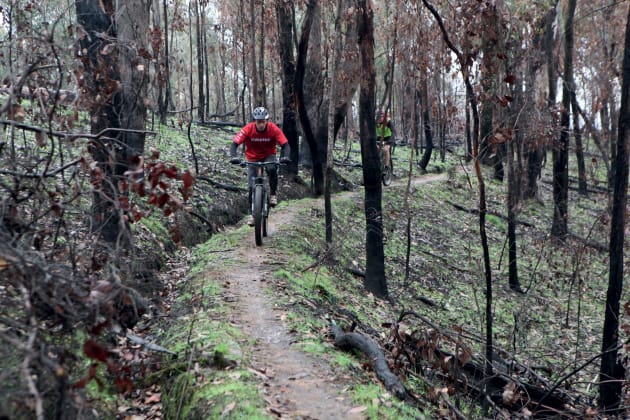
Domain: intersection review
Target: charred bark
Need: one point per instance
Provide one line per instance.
(307, 128)
(559, 226)
(375, 281)
(612, 372)
(289, 112)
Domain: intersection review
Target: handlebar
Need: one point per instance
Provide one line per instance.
(245, 163)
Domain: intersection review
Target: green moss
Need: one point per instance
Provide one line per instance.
(177, 395)
(496, 221)
(312, 283)
(214, 394)
(345, 360)
(155, 226)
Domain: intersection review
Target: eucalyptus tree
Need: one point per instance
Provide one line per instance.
(613, 373)
(285, 11)
(160, 50)
(114, 83)
(310, 80)
(375, 281)
(559, 226)
(492, 50)
(540, 121)
(199, 13)
(334, 43)
(598, 70)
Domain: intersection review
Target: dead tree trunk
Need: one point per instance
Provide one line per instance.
(612, 372)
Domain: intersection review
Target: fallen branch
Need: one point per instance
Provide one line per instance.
(353, 340)
(493, 213)
(148, 345)
(220, 185)
(458, 414)
(219, 124)
(356, 272)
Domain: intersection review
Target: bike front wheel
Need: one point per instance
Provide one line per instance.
(264, 226)
(265, 216)
(259, 197)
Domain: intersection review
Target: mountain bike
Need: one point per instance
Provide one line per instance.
(260, 198)
(387, 167)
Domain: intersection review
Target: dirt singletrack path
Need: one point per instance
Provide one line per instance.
(295, 384)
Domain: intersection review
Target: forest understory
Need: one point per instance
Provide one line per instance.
(174, 352)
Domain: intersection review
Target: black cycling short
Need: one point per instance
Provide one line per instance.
(386, 140)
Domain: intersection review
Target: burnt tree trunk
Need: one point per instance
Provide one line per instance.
(426, 123)
(201, 98)
(536, 150)
(284, 11)
(331, 90)
(375, 281)
(253, 67)
(262, 86)
(612, 370)
(489, 69)
(102, 74)
(559, 226)
(115, 82)
(300, 73)
(579, 147)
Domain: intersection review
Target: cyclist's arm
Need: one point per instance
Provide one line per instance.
(233, 148)
(285, 150)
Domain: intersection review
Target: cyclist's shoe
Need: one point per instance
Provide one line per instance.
(250, 220)
(273, 200)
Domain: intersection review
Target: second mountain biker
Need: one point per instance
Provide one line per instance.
(261, 138)
(385, 132)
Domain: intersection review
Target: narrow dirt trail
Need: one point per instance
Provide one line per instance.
(295, 384)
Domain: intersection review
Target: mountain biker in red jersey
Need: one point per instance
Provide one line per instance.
(261, 138)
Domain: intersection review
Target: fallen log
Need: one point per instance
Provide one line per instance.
(352, 340)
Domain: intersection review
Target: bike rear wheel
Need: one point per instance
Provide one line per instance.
(259, 196)
(387, 174)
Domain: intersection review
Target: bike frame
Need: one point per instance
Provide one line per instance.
(260, 198)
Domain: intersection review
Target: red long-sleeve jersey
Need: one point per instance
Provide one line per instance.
(260, 144)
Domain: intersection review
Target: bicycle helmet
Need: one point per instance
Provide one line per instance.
(260, 113)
